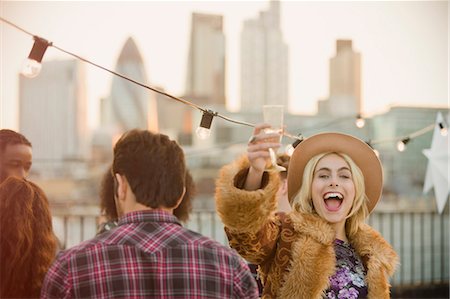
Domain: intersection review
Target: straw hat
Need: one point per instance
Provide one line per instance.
(360, 152)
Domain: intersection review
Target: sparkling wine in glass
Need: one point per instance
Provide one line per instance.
(273, 115)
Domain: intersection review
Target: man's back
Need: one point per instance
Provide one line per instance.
(149, 255)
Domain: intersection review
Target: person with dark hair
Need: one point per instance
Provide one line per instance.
(322, 248)
(108, 212)
(15, 155)
(108, 206)
(149, 254)
(27, 242)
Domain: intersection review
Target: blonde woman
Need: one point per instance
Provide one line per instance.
(323, 248)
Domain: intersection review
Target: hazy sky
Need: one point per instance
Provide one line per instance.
(404, 46)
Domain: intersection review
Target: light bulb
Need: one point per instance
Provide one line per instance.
(31, 68)
(289, 150)
(360, 122)
(401, 146)
(443, 129)
(203, 133)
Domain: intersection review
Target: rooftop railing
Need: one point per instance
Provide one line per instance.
(420, 238)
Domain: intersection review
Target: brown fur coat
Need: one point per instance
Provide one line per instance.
(295, 251)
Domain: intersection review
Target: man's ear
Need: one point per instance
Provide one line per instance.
(122, 186)
(181, 198)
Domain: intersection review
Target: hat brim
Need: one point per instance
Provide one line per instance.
(359, 151)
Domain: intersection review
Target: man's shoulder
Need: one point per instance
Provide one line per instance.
(82, 247)
(201, 241)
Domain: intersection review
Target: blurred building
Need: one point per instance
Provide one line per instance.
(129, 105)
(53, 116)
(264, 61)
(175, 119)
(205, 81)
(345, 82)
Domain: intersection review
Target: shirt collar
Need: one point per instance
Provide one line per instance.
(148, 216)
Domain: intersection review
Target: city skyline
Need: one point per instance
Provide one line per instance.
(264, 58)
(403, 46)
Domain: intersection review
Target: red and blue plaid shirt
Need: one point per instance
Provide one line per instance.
(149, 255)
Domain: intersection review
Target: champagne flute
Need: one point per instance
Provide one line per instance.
(273, 116)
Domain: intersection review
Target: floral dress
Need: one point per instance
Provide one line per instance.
(348, 280)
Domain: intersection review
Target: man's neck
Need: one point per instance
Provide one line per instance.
(140, 207)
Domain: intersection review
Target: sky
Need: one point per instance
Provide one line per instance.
(404, 46)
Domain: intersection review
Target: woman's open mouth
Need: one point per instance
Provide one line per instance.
(333, 201)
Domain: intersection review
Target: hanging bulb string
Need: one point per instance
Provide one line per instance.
(51, 44)
(410, 136)
(193, 105)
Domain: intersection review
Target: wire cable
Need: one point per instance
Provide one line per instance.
(193, 105)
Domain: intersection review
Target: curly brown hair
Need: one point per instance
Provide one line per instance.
(153, 165)
(184, 209)
(27, 242)
(108, 205)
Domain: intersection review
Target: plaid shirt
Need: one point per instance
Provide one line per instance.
(149, 255)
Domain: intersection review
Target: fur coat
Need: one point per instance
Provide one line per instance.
(294, 251)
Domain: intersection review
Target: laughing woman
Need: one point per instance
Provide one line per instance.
(323, 248)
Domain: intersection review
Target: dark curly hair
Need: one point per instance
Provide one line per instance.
(184, 209)
(27, 243)
(108, 205)
(153, 165)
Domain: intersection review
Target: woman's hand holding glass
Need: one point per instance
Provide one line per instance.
(258, 154)
(274, 117)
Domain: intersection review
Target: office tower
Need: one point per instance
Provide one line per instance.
(129, 105)
(264, 61)
(345, 82)
(53, 113)
(205, 82)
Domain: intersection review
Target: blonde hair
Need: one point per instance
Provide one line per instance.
(359, 210)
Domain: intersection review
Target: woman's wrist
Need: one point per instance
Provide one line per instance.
(254, 178)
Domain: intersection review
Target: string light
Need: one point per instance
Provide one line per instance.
(360, 121)
(48, 44)
(377, 153)
(289, 150)
(32, 65)
(203, 131)
(401, 145)
(443, 129)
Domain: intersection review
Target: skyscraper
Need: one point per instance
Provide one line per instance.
(130, 106)
(205, 81)
(345, 82)
(264, 61)
(53, 113)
